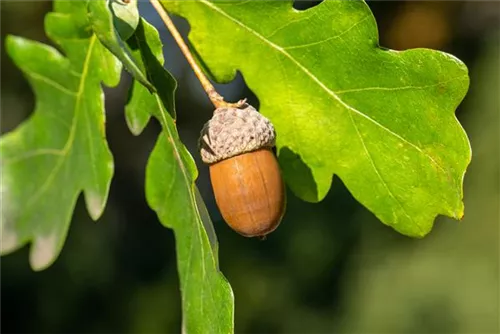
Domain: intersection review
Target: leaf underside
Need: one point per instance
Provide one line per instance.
(103, 23)
(382, 120)
(60, 150)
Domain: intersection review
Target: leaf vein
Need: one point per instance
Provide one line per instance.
(52, 83)
(71, 136)
(317, 81)
(191, 197)
(34, 153)
(327, 39)
(302, 18)
(354, 90)
(375, 168)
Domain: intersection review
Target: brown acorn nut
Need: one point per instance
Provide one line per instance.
(244, 172)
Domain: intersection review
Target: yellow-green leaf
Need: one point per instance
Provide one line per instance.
(382, 120)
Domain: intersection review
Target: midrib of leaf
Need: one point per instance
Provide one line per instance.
(317, 81)
(71, 137)
(191, 199)
(366, 151)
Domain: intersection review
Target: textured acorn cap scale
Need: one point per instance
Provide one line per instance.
(244, 172)
(233, 131)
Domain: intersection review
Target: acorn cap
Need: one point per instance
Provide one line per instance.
(233, 131)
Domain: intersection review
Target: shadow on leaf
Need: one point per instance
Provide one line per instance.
(164, 83)
(298, 175)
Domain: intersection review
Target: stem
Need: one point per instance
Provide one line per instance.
(216, 99)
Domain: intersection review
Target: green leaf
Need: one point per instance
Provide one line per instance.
(207, 298)
(147, 50)
(102, 21)
(61, 149)
(382, 120)
(125, 17)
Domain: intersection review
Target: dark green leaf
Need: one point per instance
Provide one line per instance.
(207, 299)
(147, 49)
(382, 120)
(61, 150)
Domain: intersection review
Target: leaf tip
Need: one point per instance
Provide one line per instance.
(135, 125)
(458, 211)
(43, 252)
(135, 128)
(11, 41)
(11, 38)
(459, 215)
(95, 204)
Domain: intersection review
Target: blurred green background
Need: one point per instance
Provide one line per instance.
(329, 268)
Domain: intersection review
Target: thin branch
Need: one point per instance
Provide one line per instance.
(216, 99)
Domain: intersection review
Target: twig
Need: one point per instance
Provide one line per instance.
(216, 99)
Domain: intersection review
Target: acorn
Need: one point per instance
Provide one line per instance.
(237, 145)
